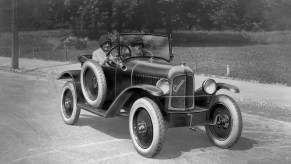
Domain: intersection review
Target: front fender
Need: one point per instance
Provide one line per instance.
(229, 87)
(123, 97)
(71, 74)
(204, 100)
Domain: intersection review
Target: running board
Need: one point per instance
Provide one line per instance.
(99, 112)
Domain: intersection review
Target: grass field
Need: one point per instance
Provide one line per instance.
(262, 56)
(263, 63)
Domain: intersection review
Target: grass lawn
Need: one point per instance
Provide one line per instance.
(263, 63)
(263, 56)
(264, 109)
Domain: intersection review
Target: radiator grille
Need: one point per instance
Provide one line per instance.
(182, 92)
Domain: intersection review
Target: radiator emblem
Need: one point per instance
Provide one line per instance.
(177, 87)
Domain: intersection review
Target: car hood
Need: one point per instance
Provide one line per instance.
(152, 69)
(146, 72)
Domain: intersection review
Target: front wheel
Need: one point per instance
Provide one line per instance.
(69, 110)
(227, 122)
(146, 126)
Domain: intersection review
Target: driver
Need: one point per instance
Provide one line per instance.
(137, 48)
(100, 54)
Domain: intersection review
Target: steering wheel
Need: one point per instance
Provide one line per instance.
(111, 62)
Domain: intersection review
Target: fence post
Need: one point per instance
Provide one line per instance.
(19, 52)
(33, 53)
(227, 70)
(66, 58)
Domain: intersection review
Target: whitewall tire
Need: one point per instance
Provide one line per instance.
(69, 110)
(146, 126)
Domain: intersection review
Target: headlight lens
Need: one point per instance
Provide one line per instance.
(209, 86)
(164, 85)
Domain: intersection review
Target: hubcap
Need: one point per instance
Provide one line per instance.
(68, 103)
(222, 119)
(143, 128)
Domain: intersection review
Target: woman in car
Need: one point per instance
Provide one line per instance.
(100, 54)
(137, 48)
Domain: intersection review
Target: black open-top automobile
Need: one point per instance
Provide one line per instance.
(153, 93)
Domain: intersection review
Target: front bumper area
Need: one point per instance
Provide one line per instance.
(183, 119)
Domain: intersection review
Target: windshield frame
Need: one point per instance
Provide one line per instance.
(138, 34)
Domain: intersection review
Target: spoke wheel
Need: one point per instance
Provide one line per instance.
(143, 128)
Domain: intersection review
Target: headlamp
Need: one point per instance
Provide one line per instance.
(164, 85)
(209, 86)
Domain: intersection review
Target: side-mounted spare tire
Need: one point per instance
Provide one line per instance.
(93, 83)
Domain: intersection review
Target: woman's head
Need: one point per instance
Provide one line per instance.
(137, 42)
(105, 43)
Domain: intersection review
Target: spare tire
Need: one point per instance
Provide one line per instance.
(93, 83)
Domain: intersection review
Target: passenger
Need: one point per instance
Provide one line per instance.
(100, 54)
(137, 48)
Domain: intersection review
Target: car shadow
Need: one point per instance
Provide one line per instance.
(115, 127)
(244, 144)
(177, 140)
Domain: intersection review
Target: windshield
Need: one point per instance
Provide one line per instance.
(144, 45)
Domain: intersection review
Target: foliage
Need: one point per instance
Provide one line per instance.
(149, 15)
(75, 42)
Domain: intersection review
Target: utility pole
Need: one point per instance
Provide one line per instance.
(15, 46)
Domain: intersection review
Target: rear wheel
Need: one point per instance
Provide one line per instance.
(69, 110)
(146, 126)
(227, 127)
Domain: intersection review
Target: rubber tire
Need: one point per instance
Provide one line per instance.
(158, 127)
(236, 122)
(76, 111)
(101, 80)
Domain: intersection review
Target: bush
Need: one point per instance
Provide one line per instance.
(75, 42)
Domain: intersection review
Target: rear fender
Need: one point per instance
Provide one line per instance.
(71, 74)
(125, 95)
(75, 76)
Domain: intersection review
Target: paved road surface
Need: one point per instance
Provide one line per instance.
(32, 131)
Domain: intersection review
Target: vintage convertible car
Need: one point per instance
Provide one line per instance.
(153, 93)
